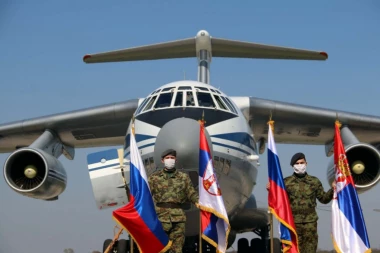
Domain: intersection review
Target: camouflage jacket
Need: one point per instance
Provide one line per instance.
(175, 187)
(303, 193)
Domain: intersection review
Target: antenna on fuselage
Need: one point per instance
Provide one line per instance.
(204, 47)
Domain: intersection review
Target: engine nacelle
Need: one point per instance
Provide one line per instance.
(364, 162)
(34, 173)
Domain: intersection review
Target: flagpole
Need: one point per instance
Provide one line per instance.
(201, 122)
(200, 232)
(117, 235)
(271, 125)
(121, 161)
(132, 132)
(271, 231)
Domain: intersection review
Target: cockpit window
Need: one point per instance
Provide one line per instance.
(201, 88)
(178, 99)
(142, 105)
(205, 99)
(150, 104)
(232, 108)
(190, 98)
(164, 100)
(154, 92)
(220, 103)
(167, 89)
(184, 88)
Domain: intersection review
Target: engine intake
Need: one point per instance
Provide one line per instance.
(364, 162)
(34, 173)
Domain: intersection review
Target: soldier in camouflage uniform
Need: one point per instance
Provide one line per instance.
(170, 188)
(303, 191)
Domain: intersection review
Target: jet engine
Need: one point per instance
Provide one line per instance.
(35, 171)
(363, 159)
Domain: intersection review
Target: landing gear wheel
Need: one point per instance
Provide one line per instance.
(243, 245)
(122, 246)
(257, 245)
(105, 244)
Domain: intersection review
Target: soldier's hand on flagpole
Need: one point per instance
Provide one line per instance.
(268, 186)
(333, 185)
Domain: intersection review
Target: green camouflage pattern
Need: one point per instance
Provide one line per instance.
(176, 233)
(307, 237)
(303, 193)
(172, 187)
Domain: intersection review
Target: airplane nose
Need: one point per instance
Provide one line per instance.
(182, 135)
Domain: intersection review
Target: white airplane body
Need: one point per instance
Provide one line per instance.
(236, 130)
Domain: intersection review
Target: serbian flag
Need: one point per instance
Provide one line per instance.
(139, 217)
(278, 200)
(349, 233)
(215, 226)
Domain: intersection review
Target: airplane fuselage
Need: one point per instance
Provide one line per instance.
(171, 122)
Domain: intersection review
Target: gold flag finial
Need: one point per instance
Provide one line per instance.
(337, 122)
(133, 125)
(202, 122)
(271, 122)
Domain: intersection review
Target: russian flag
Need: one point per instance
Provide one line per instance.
(215, 225)
(278, 200)
(349, 233)
(139, 217)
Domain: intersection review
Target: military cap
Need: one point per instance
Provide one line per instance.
(169, 152)
(296, 157)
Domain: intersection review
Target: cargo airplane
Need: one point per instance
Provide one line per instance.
(236, 129)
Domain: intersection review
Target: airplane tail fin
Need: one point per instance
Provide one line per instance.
(186, 48)
(168, 50)
(240, 49)
(204, 47)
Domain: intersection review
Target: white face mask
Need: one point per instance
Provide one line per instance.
(169, 163)
(299, 168)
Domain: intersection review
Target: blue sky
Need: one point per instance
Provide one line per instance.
(42, 45)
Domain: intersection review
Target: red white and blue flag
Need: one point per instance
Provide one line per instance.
(139, 217)
(215, 226)
(278, 200)
(349, 233)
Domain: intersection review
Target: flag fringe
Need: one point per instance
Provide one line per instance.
(213, 211)
(167, 247)
(210, 241)
(284, 223)
(219, 215)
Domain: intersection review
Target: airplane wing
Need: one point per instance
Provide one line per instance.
(96, 126)
(301, 124)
